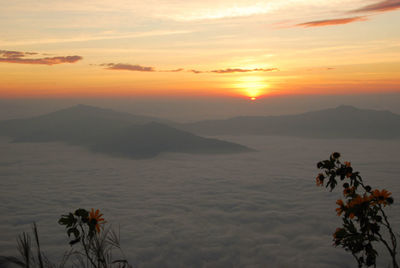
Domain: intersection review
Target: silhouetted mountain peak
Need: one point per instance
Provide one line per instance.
(83, 108)
(94, 114)
(348, 108)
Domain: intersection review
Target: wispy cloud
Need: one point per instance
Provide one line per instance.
(239, 70)
(319, 23)
(140, 68)
(12, 54)
(97, 37)
(136, 68)
(235, 70)
(321, 69)
(172, 71)
(382, 6)
(8, 56)
(221, 12)
(196, 71)
(127, 67)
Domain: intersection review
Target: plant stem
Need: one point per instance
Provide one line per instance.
(392, 237)
(84, 246)
(38, 245)
(358, 261)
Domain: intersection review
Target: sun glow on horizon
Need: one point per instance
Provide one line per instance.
(252, 86)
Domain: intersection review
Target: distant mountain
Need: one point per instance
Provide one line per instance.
(111, 132)
(75, 125)
(340, 122)
(150, 139)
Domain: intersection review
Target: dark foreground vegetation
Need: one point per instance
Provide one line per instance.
(91, 245)
(364, 221)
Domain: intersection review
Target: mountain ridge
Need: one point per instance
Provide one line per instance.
(343, 121)
(114, 133)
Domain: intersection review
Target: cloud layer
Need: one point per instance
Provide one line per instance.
(8, 56)
(248, 210)
(319, 23)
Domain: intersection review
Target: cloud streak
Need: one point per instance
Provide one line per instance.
(140, 68)
(239, 70)
(382, 6)
(97, 37)
(329, 22)
(196, 71)
(8, 56)
(235, 70)
(136, 68)
(172, 71)
(128, 67)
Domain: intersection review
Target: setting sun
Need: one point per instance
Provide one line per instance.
(252, 86)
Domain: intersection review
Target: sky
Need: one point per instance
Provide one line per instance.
(180, 48)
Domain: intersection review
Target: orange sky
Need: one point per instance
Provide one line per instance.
(199, 48)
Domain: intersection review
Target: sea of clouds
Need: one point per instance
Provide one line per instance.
(259, 209)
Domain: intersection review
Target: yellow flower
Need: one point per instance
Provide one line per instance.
(341, 207)
(96, 216)
(348, 165)
(320, 179)
(381, 196)
(336, 232)
(349, 191)
(358, 200)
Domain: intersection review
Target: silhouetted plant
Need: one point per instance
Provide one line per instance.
(92, 245)
(28, 258)
(97, 243)
(362, 210)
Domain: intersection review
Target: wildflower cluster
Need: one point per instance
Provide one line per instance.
(92, 245)
(97, 243)
(362, 211)
(77, 222)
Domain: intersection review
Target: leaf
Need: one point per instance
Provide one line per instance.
(75, 241)
(68, 220)
(119, 261)
(74, 231)
(70, 231)
(83, 213)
